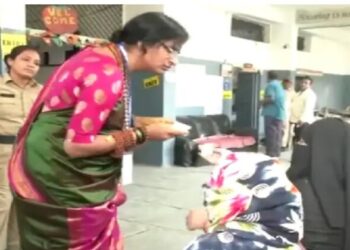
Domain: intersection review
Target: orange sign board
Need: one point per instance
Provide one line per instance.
(60, 19)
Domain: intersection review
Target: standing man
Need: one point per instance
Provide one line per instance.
(303, 106)
(274, 114)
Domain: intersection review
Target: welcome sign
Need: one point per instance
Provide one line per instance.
(60, 19)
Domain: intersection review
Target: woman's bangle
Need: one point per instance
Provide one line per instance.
(141, 135)
(124, 140)
(129, 139)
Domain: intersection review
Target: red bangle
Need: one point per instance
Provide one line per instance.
(124, 140)
(129, 139)
(119, 143)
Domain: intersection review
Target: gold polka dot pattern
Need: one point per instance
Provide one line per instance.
(87, 124)
(78, 73)
(90, 80)
(100, 97)
(80, 107)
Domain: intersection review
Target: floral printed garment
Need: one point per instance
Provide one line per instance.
(251, 205)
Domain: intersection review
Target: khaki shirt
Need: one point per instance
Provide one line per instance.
(15, 104)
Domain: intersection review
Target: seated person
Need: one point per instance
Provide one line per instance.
(249, 204)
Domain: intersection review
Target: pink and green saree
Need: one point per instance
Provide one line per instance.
(62, 203)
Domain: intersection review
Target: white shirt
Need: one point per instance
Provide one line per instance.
(303, 106)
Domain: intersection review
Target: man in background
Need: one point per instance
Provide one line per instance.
(303, 106)
(274, 114)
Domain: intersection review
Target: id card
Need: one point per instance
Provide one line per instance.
(127, 168)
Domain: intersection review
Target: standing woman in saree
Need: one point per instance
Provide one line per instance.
(66, 166)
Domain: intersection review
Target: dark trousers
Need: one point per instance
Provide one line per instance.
(273, 136)
(298, 128)
(318, 235)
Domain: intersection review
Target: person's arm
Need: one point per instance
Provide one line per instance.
(269, 97)
(99, 91)
(141, 121)
(267, 100)
(102, 144)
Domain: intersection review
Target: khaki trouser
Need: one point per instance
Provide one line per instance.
(288, 133)
(9, 237)
(288, 138)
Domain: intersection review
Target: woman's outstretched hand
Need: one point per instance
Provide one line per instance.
(164, 131)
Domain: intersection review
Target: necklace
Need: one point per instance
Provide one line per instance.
(126, 88)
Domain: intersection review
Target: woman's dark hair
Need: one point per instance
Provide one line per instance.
(16, 51)
(150, 28)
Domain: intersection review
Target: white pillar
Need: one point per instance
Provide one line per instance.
(12, 27)
(284, 37)
(13, 15)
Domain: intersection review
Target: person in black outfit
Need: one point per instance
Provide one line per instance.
(321, 171)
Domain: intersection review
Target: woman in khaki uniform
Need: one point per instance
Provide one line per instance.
(18, 90)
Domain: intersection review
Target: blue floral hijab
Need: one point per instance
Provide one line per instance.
(251, 206)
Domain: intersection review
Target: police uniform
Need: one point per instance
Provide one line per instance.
(15, 104)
